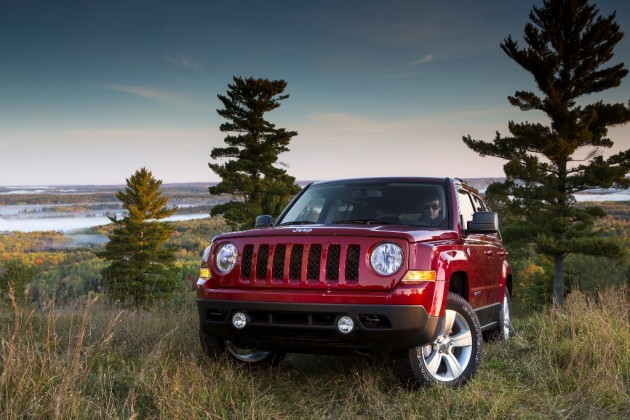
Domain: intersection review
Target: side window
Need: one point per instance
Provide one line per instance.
(466, 208)
(479, 204)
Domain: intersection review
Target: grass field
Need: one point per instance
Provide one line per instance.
(102, 362)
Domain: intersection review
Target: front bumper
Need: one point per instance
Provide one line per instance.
(311, 327)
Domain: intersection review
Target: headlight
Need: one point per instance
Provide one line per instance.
(226, 257)
(386, 259)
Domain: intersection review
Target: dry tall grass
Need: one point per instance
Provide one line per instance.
(103, 362)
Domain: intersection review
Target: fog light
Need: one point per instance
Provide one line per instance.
(239, 320)
(345, 324)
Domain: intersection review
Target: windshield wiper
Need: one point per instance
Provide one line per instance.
(297, 222)
(362, 221)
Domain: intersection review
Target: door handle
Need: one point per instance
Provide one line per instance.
(488, 253)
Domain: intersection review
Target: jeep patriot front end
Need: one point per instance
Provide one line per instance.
(412, 266)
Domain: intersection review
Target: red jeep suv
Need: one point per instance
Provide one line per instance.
(410, 266)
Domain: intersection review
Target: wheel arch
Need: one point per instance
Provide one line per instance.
(459, 284)
(509, 284)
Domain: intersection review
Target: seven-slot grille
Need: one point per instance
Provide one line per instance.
(296, 263)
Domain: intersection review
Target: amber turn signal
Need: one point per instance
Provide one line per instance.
(414, 276)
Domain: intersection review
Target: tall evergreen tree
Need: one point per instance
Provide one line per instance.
(251, 174)
(142, 269)
(568, 45)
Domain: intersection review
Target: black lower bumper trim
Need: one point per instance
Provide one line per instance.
(311, 328)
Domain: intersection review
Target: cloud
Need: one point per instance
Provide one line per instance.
(143, 92)
(426, 59)
(156, 95)
(183, 61)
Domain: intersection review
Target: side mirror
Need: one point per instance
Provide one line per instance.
(483, 222)
(264, 221)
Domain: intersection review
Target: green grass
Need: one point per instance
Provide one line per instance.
(104, 362)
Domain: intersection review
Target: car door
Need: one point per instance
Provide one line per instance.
(481, 254)
(496, 256)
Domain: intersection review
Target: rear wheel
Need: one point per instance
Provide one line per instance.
(214, 347)
(452, 358)
(504, 323)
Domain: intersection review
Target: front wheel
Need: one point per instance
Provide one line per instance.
(452, 358)
(251, 356)
(214, 347)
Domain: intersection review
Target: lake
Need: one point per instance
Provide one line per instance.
(68, 224)
(603, 195)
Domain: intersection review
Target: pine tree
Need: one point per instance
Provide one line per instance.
(568, 45)
(251, 174)
(142, 269)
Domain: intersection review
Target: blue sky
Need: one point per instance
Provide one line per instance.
(90, 91)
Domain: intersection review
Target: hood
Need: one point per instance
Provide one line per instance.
(407, 233)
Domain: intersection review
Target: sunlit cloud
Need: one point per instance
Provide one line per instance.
(156, 95)
(183, 61)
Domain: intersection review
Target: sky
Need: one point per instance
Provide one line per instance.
(91, 91)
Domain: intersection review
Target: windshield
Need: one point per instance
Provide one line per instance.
(411, 203)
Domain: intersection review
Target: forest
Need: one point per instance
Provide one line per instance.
(55, 272)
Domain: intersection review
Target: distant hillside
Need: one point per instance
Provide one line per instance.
(197, 193)
(481, 183)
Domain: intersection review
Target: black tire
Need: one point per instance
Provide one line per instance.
(452, 359)
(504, 323)
(247, 356)
(211, 346)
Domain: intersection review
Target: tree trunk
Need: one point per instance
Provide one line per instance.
(558, 281)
